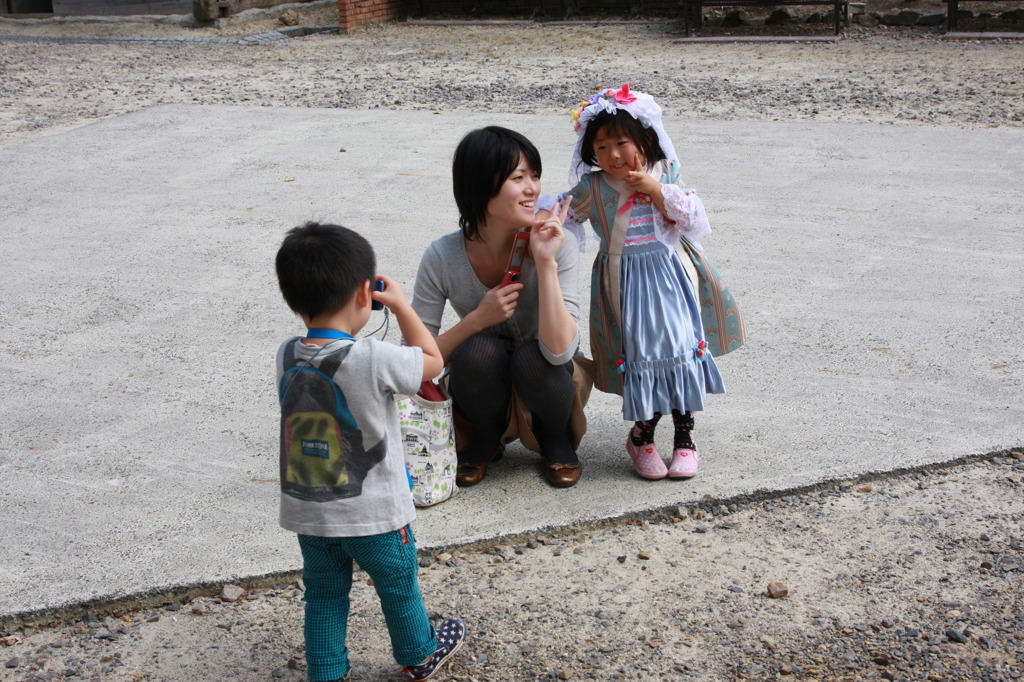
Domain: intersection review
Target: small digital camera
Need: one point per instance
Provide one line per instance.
(378, 285)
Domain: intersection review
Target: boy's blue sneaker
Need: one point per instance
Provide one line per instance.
(450, 637)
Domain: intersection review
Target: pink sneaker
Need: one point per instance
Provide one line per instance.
(646, 460)
(684, 463)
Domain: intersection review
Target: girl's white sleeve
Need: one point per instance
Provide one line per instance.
(545, 202)
(579, 209)
(686, 211)
(574, 226)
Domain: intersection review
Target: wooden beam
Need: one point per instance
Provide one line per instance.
(120, 7)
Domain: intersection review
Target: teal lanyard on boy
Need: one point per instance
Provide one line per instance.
(317, 333)
(328, 334)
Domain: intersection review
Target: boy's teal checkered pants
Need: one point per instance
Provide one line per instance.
(390, 559)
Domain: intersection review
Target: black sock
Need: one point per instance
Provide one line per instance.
(683, 422)
(642, 433)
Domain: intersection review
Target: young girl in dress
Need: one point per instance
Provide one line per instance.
(645, 321)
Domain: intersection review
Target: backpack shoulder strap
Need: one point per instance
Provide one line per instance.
(289, 355)
(330, 364)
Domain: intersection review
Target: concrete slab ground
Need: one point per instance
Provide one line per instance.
(879, 269)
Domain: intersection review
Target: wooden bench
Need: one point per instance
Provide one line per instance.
(952, 7)
(695, 8)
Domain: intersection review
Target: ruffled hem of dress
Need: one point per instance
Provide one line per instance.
(650, 386)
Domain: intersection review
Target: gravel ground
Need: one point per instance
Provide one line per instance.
(913, 577)
(900, 76)
(917, 576)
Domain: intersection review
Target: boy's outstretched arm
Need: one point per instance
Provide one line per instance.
(412, 328)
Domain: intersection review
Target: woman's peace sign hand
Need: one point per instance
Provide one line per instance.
(546, 235)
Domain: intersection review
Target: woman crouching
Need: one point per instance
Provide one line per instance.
(511, 355)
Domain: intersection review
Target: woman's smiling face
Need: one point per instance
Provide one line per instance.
(513, 205)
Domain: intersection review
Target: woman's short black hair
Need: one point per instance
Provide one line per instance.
(483, 161)
(622, 123)
(320, 267)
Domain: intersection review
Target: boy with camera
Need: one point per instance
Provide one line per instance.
(344, 486)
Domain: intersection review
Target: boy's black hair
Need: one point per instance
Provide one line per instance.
(483, 161)
(622, 123)
(320, 267)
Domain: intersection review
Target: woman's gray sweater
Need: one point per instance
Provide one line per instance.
(445, 274)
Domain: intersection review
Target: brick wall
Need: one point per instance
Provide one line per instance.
(353, 14)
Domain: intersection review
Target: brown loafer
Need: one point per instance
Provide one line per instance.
(467, 474)
(563, 475)
(470, 474)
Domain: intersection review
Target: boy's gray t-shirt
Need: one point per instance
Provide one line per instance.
(369, 376)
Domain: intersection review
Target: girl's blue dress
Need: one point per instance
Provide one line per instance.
(661, 328)
(645, 320)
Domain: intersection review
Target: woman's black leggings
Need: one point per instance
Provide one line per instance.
(482, 376)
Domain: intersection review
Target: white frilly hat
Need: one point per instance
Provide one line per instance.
(639, 105)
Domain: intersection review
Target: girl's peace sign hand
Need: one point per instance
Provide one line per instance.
(546, 235)
(638, 178)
